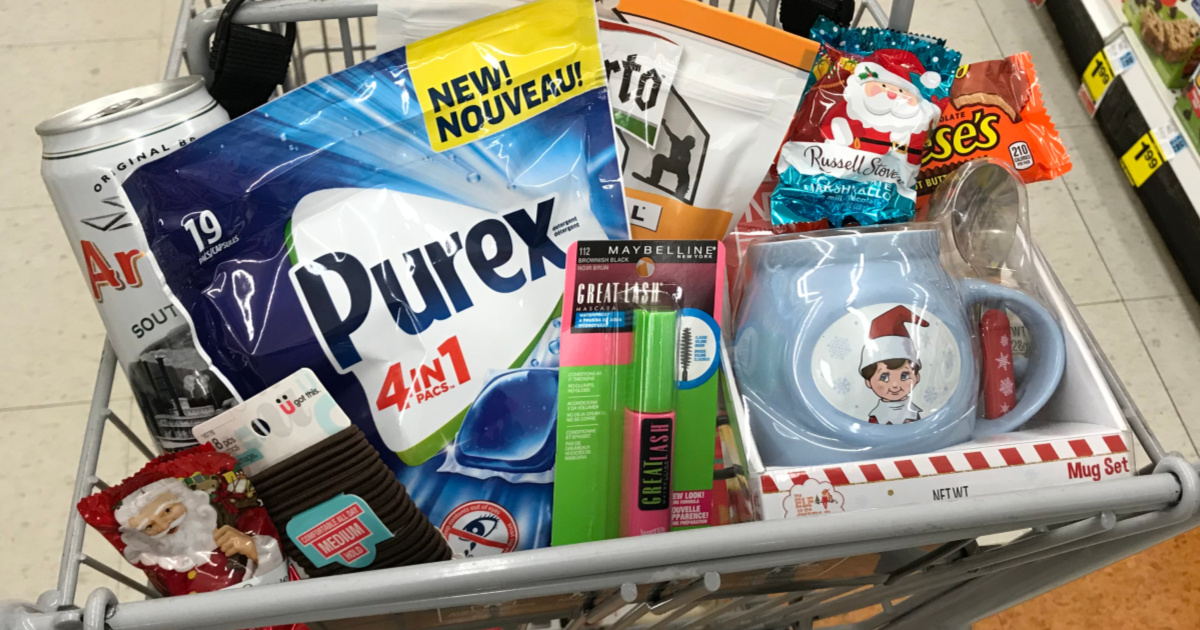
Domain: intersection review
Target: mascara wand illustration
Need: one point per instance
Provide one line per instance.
(685, 352)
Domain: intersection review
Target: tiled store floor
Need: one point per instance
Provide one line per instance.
(58, 53)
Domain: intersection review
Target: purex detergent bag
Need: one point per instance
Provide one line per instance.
(401, 228)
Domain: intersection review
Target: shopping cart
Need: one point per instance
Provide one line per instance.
(914, 567)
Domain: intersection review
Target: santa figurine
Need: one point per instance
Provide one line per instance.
(882, 109)
(168, 525)
(891, 367)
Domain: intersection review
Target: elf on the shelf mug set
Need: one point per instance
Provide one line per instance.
(857, 344)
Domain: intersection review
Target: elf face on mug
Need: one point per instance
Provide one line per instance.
(857, 345)
(891, 367)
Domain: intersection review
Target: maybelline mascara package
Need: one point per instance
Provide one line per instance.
(637, 396)
(401, 229)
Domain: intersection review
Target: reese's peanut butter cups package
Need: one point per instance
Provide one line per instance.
(995, 111)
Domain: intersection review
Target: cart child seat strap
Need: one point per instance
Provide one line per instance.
(247, 62)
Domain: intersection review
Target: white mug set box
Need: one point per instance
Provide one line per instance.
(1076, 433)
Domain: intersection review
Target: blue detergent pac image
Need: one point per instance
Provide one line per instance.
(422, 288)
(509, 431)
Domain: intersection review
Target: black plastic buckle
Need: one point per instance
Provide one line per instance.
(247, 62)
(797, 16)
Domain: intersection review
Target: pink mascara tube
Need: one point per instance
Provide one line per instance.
(649, 425)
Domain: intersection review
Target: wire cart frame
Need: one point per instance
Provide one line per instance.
(908, 567)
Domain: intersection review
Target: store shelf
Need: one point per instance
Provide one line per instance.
(1106, 15)
(1135, 103)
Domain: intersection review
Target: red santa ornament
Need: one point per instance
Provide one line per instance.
(883, 110)
(192, 523)
(167, 525)
(891, 367)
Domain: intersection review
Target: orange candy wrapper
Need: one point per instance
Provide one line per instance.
(995, 111)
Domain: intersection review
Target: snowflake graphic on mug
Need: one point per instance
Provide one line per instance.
(839, 347)
(902, 364)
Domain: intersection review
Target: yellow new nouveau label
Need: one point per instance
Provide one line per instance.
(1142, 159)
(489, 75)
(1098, 76)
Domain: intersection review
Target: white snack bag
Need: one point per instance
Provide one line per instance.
(640, 66)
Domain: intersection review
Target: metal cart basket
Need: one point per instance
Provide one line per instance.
(913, 567)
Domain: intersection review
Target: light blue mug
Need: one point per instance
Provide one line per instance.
(856, 345)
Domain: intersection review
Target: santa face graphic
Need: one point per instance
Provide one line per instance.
(888, 101)
(887, 105)
(169, 525)
(164, 514)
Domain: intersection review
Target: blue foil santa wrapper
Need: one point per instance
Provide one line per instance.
(856, 143)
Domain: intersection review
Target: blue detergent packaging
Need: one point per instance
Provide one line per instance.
(400, 228)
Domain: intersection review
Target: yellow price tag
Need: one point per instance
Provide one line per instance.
(1098, 76)
(1142, 159)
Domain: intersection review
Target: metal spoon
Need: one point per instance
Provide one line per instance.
(984, 203)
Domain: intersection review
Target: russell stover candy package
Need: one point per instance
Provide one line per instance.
(192, 522)
(637, 401)
(855, 147)
(401, 229)
(995, 111)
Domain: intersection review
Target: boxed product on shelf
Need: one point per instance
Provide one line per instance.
(1187, 108)
(1170, 31)
(1079, 436)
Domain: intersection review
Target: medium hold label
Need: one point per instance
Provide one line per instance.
(343, 529)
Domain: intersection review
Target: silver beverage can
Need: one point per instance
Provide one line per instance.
(87, 152)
